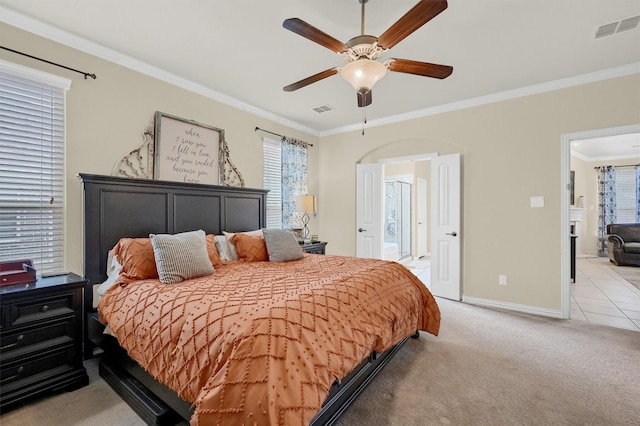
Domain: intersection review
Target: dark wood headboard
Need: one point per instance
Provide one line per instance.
(116, 207)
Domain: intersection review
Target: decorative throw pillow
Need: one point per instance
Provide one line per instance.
(181, 256)
(282, 245)
(136, 258)
(232, 246)
(250, 248)
(212, 251)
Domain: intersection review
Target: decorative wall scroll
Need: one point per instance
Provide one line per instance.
(138, 164)
(144, 161)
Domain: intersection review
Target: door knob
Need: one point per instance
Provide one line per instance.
(453, 234)
(361, 230)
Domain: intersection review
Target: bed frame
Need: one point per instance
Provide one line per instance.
(117, 207)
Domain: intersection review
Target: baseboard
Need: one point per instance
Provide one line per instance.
(527, 309)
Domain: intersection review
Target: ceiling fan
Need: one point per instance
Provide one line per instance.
(363, 69)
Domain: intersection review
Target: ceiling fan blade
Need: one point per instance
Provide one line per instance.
(306, 30)
(419, 15)
(420, 68)
(364, 99)
(307, 81)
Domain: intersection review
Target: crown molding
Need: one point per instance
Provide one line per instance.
(606, 74)
(61, 36)
(68, 39)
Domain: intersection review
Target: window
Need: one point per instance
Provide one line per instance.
(32, 166)
(285, 176)
(626, 195)
(272, 180)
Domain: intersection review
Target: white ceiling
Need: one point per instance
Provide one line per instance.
(238, 52)
(607, 148)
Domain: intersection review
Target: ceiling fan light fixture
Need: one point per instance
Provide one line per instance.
(363, 73)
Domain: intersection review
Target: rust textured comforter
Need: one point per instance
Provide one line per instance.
(261, 342)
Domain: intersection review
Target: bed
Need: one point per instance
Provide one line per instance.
(300, 372)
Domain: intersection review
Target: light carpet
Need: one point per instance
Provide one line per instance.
(486, 367)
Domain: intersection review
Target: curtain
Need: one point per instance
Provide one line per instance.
(606, 204)
(294, 179)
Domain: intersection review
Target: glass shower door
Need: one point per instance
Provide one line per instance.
(397, 227)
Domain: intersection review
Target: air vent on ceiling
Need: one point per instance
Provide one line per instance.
(618, 26)
(323, 108)
(629, 23)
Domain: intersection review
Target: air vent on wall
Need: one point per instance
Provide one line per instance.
(618, 26)
(323, 108)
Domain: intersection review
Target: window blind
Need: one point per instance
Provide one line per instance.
(272, 180)
(626, 195)
(31, 170)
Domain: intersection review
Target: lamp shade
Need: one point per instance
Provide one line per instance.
(363, 73)
(306, 203)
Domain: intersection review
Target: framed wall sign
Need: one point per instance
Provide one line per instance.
(188, 151)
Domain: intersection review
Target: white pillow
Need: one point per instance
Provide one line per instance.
(233, 252)
(113, 271)
(181, 256)
(222, 247)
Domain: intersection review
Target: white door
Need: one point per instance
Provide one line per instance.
(369, 223)
(421, 228)
(445, 226)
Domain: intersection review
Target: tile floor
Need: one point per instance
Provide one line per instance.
(602, 296)
(599, 295)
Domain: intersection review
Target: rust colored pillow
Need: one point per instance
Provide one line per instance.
(214, 257)
(251, 248)
(137, 258)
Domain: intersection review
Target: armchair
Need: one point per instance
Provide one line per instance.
(624, 243)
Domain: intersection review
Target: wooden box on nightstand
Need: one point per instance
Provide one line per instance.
(41, 334)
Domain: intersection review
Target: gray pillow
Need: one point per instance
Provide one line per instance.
(282, 245)
(181, 256)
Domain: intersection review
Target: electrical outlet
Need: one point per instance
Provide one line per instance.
(502, 279)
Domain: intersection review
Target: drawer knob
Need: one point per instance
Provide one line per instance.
(20, 337)
(44, 308)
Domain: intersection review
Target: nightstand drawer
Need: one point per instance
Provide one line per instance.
(38, 337)
(36, 368)
(315, 248)
(27, 311)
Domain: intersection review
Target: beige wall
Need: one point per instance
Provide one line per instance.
(106, 118)
(511, 150)
(586, 184)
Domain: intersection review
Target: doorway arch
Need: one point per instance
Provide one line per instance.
(448, 245)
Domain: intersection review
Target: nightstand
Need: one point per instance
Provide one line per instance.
(41, 338)
(315, 248)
